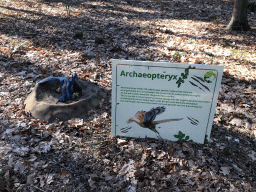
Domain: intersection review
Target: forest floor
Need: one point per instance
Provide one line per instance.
(43, 38)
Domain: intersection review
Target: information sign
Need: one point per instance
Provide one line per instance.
(174, 101)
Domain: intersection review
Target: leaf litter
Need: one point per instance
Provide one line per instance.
(58, 38)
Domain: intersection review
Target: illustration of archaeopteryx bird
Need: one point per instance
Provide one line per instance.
(146, 119)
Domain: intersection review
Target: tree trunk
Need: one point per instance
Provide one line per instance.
(239, 17)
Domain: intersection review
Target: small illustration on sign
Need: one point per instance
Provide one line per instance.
(195, 85)
(146, 119)
(184, 76)
(193, 121)
(125, 129)
(201, 83)
(181, 136)
(209, 75)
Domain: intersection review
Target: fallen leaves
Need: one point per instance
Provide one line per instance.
(81, 154)
(57, 53)
(225, 170)
(76, 122)
(252, 155)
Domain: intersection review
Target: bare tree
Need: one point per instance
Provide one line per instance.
(239, 17)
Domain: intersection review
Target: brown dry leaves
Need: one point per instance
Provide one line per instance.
(37, 41)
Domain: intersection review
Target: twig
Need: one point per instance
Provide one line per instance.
(38, 188)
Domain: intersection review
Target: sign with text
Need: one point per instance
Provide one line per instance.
(174, 101)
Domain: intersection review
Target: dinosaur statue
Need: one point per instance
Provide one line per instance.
(66, 85)
(146, 119)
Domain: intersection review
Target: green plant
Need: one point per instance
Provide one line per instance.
(249, 120)
(177, 55)
(194, 42)
(246, 53)
(211, 55)
(30, 85)
(222, 119)
(20, 48)
(181, 135)
(141, 30)
(235, 51)
(86, 56)
(224, 42)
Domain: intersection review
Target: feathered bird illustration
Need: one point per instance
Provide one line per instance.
(146, 119)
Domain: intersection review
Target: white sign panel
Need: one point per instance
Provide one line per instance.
(164, 100)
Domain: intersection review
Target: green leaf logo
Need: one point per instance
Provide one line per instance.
(209, 75)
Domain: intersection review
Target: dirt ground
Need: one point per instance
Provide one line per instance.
(42, 38)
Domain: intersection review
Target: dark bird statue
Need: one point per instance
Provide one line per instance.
(146, 119)
(68, 86)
